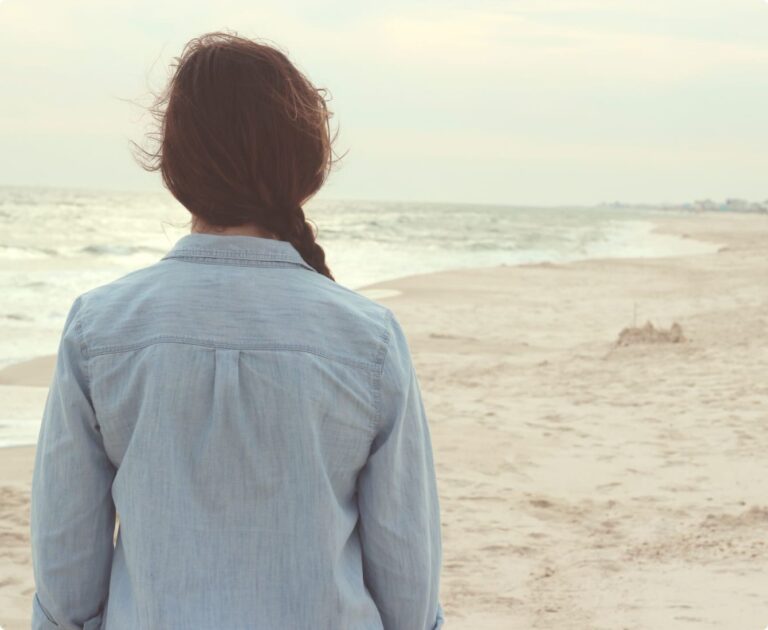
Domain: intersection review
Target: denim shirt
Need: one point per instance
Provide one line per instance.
(259, 433)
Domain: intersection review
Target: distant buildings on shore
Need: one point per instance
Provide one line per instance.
(701, 205)
(729, 205)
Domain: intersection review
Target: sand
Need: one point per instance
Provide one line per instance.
(583, 484)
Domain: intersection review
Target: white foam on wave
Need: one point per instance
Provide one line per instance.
(639, 239)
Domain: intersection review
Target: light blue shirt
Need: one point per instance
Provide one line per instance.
(260, 432)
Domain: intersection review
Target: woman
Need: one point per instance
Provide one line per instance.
(257, 428)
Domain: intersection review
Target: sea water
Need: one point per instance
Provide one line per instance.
(58, 243)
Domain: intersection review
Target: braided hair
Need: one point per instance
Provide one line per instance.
(294, 227)
(244, 138)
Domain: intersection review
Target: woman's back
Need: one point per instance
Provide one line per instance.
(266, 451)
(257, 427)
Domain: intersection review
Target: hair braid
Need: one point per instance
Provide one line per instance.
(301, 234)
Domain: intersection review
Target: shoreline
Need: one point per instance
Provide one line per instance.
(668, 226)
(36, 371)
(625, 237)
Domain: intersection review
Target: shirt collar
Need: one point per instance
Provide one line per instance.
(236, 247)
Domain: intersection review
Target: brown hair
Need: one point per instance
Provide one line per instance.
(244, 137)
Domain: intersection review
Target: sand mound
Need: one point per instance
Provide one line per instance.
(650, 334)
(753, 516)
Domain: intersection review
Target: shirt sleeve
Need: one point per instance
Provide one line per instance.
(399, 522)
(72, 516)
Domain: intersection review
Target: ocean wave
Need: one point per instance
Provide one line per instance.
(12, 252)
(118, 250)
(19, 317)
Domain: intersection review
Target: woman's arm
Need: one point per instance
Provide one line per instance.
(397, 497)
(72, 516)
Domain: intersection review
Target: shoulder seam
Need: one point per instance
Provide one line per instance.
(84, 355)
(79, 327)
(381, 360)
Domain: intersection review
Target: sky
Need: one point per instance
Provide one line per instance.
(520, 102)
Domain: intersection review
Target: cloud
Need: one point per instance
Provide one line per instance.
(522, 147)
(520, 46)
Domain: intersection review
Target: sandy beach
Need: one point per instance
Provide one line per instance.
(584, 484)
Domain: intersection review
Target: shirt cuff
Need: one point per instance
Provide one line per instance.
(440, 621)
(41, 620)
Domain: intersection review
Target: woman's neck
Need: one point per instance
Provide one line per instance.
(245, 230)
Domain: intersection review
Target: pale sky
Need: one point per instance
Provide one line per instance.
(510, 102)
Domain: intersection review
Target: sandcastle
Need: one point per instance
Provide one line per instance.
(650, 334)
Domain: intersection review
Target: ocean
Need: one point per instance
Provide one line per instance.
(58, 243)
